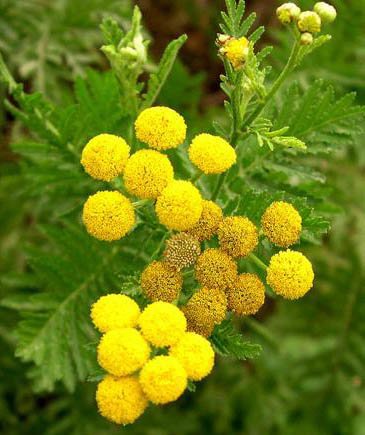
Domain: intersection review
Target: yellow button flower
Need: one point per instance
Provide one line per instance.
(327, 12)
(237, 236)
(207, 225)
(281, 224)
(161, 282)
(121, 400)
(160, 128)
(309, 22)
(179, 206)
(195, 354)
(236, 51)
(211, 154)
(288, 12)
(105, 156)
(147, 173)
(181, 251)
(247, 295)
(163, 379)
(122, 351)
(215, 269)
(162, 324)
(290, 274)
(108, 215)
(114, 311)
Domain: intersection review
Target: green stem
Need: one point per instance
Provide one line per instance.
(196, 177)
(141, 203)
(262, 331)
(258, 262)
(6, 77)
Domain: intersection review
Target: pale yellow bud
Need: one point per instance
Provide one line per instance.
(288, 12)
(309, 22)
(327, 12)
(306, 38)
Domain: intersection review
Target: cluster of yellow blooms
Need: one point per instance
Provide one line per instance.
(148, 356)
(307, 22)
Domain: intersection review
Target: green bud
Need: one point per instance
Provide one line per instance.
(287, 13)
(327, 12)
(306, 38)
(309, 22)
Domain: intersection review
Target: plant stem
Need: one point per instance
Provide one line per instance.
(257, 261)
(196, 176)
(141, 203)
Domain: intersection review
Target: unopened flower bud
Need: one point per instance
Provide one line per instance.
(222, 39)
(327, 12)
(309, 22)
(287, 12)
(306, 39)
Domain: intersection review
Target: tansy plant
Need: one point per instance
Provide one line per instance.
(187, 232)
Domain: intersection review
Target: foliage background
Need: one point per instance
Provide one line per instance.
(310, 376)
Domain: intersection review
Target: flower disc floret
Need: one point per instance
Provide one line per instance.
(236, 51)
(207, 225)
(147, 173)
(237, 236)
(104, 157)
(205, 309)
(181, 251)
(211, 154)
(327, 12)
(179, 206)
(162, 324)
(108, 215)
(247, 295)
(161, 282)
(288, 12)
(281, 224)
(163, 379)
(215, 269)
(121, 400)
(114, 311)
(121, 352)
(196, 355)
(160, 128)
(290, 274)
(309, 21)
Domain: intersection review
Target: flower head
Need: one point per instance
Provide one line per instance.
(306, 38)
(309, 21)
(236, 51)
(179, 206)
(161, 282)
(147, 173)
(181, 251)
(114, 311)
(108, 215)
(290, 274)
(215, 269)
(122, 351)
(160, 128)
(327, 12)
(121, 400)
(163, 379)
(208, 223)
(237, 236)
(162, 324)
(105, 156)
(211, 154)
(247, 295)
(195, 354)
(281, 224)
(287, 12)
(205, 309)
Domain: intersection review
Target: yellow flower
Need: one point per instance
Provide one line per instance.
(281, 224)
(215, 269)
(205, 309)
(309, 22)
(162, 324)
(163, 379)
(114, 311)
(290, 274)
(211, 154)
(161, 282)
(181, 251)
(105, 156)
(121, 400)
(306, 38)
(288, 12)
(108, 215)
(327, 12)
(207, 225)
(179, 206)
(121, 352)
(195, 354)
(247, 296)
(161, 128)
(236, 51)
(147, 173)
(237, 236)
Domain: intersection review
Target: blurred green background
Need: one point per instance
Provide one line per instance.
(310, 378)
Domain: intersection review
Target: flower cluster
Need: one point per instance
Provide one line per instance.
(235, 50)
(148, 356)
(307, 22)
